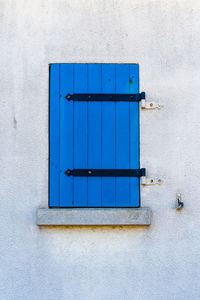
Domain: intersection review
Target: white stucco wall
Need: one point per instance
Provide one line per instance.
(159, 262)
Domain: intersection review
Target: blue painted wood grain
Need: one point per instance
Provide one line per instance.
(108, 135)
(80, 135)
(93, 135)
(134, 136)
(122, 136)
(54, 137)
(66, 135)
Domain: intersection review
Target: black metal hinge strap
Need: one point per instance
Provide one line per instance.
(106, 97)
(106, 172)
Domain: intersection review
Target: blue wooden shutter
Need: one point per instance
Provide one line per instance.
(96, 135)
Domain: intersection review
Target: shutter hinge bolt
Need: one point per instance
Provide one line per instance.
(68, 97)
(151, 181)
(68, 172)
(151, 105)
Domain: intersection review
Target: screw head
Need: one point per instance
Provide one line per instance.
(68, 172)
(89, 172)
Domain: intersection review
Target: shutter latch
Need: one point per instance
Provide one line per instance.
(180, 203)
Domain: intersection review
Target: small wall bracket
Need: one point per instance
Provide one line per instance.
(151, 180)
(150, 105)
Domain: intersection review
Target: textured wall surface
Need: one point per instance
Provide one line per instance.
(119, 263)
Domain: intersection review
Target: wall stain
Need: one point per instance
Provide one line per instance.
(14, 123)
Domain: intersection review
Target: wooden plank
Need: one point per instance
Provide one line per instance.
(80, 135)
(54, 137)
(122, 136)
(134, 136)
(108, 135)
(66, 135)
(94, 135)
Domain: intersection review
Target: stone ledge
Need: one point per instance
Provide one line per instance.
(93, 216)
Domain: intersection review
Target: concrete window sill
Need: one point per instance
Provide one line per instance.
(93, 216)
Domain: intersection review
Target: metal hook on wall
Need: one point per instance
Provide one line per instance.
(179, 203)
